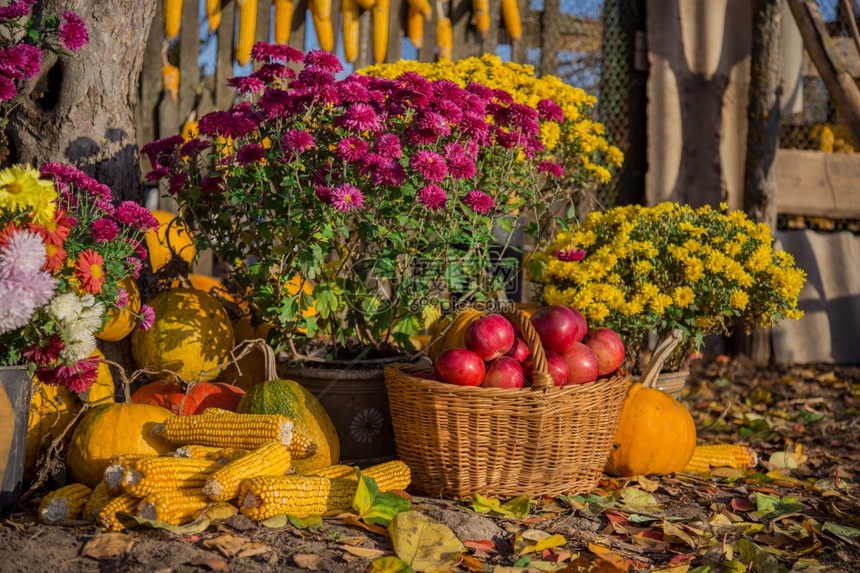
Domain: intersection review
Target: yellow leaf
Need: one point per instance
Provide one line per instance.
(389, 564)
(533, 540)
(365, 552)
(790, 460)
(423, 543)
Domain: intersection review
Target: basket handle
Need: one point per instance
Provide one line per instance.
(541, 378)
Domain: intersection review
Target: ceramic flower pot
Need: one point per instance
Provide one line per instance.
(15, 388)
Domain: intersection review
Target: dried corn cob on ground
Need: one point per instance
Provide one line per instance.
(201, 452)
(174, 507)
(150, 475)
(337, 471)
(721, 455)
(107, 516)
(66, 502)
(100, 496)
(227, 455)
(271, 459)
(116, 468)
(226, 429)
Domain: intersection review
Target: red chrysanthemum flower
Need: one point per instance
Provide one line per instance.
(90, 271)
(266, 52)
(429, 164)
(433, 197)
(104, 230)
(550, 111)
(73, 32)
(360, 117)
(77, 377)
(297, 141)
(146, 318)
(247, 84)
(569, 254)
(346, 198)
(388, 146)
(323, 60)
(45, 351)
(251, 153)
(7, 89)
(55, 256)
(550, 168)
(479, 202)
(351, 149)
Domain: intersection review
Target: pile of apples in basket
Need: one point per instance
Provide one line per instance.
(496, 355)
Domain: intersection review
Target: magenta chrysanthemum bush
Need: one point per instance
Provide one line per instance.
(384, 194)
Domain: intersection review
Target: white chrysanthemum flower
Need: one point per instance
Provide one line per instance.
(90, 319)
(65, 307)
(79, 348)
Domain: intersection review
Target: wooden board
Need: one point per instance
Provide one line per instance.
(817, 184)
(15, 389)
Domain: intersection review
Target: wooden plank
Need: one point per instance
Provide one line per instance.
(574, 34)
(261, 31)
(224, 94)
(491, 41)
(297, 30)
(365, 40)
(842, 48)
(150, 86)
(466, 42)
(396, 29)
(427, 53)
(817, 184)
(518, 47)
(189, 53)
(550, 33)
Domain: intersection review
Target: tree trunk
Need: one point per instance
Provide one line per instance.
(762, 143)
(80, 110)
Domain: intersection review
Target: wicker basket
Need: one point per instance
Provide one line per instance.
(459, 440)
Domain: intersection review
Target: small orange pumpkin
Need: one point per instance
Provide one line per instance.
(171, 239)
(122, 321)
(656, 435)
(172, 395)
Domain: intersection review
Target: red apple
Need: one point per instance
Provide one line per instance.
(490, 336)
(504, 372)
(581, 363)
(559, 327)
(608, 347)
(460, 366)
(520, 350)
(556, 365)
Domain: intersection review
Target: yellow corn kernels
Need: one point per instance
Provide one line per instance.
(174, 507)
(415, 26)
(172, 17)
(213, 14)
(200, 452)
(444, 38)
(380, 30)
(271, 459)
(481, 11)
(117, 467)
(321, 16)
(336, 471)
(64, 503)
(150, 475)
(300, 496)
(100, 496)
(721, 455)
(422, 6)
(247, 30)
(511, 19)
(349, 13)
(107, 516)
(226, 429)
(283, 20)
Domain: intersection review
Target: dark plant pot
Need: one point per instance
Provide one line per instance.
(15, 389)
(356, 399)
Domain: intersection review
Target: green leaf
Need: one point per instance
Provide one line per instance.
(312, 521)
(424, 543)
(389, 564)
(516, 508)
(197, 526)
(843, 532)
(374, 507)
(634, 499)
(761, 560)
(770, 506)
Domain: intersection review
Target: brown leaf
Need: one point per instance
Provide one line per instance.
(107, 545)
(471, 563)
(354, 540)
(228, 545)
(213, 564)
(364, 552)
(309, 561)
(253, 548)
(354, 521)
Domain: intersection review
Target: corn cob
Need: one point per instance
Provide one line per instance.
(481, 11)
(422, 6)
(98, 499)
(300, 496)
(189, 130)
(170, 80)
(366, 4)
(321, 15)
(247, 30)
(336, 471)
(150, 475)
(283, 20)
(301, 446)
(199, 452)
(116, 468)
(350, 26)
(213, 14)
(721, 455)
(444, 38)
(511, 19)
(226, 429)
(227, 455)
(415, 26)
(174, 507)
(172, 17)
(107, 516)
(380, 30)
(271, 459)
(389, 475)
(64, 503)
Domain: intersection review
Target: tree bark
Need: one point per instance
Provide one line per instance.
(80, 110)
(762, 142)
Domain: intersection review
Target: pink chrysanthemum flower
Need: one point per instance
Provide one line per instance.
(7, 89)
(147, 317)
(324, 194)
(134, 266)
(77, 378)
(22, 256)
(360, 117)
(266, 52)
(104, 230)
(432, 121)
(226, 124)
(550, 111)
(271, 72)
(247, 84)
(551, 168)
(21, 62)
(429, 164)
(433, 197)
(16, 10)
(73, 32)
(569, 254)
(351, 149)
(122, 298)
(193, 146)
(251, 153)
(387, 172)
(297, 141)
(323, 60)
(388, 146)
(347, 198)
(479, 202)
(45, 350)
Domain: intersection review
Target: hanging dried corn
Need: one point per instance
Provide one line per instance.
(366, 4)
(283, 20)
(422, 6)
(481, 12)
(415, 26)
(380, 31)
(511, 19)
(213, 14)
(444, 38)
(170, 81)
(247, 30)
(349, 12)
(321, 15)
(172, 16)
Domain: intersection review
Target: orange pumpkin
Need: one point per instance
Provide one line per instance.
(172, 395)
(656, 435)
(122, 321)
(171, 239)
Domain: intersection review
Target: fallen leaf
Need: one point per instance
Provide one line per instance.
(375, 507)
(228, 545)
(253, 548)
(843, 532)
(649, 485)
(107, 545)
(218, 512)
(131, 521)
(516, 508)
(614, 559)
(309, 561)
(389, 564)
(742, 504)
(470, 563)
(634, 500)
(354, 521)
(534, 540)
(212, 564)
(366, 552)
(484, 544)
(354, 540)
(423, 543)
(789, 460)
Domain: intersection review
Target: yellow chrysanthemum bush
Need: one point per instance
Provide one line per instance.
(567, 130)
(639, 270)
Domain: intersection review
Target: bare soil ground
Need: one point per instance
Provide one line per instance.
(802, 518)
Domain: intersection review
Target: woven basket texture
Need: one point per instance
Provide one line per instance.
(459, 440)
